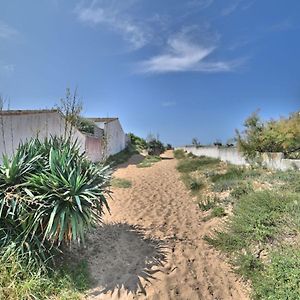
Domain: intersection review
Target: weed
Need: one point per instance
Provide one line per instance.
(242, 189)
(179, 154)
(148, 161)
(121, 183)
(206, 203)
(193, 164)
(218, 211)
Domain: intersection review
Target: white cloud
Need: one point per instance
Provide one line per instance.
(112, 15)
(182, 54)
(282, 26)
(6, 31)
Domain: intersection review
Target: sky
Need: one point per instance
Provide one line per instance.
(179, 69)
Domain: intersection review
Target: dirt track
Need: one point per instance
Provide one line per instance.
(152, 247)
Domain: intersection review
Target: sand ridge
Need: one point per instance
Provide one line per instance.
(151, 245)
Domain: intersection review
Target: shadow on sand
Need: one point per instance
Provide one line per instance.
(120, 257)
(135, 159)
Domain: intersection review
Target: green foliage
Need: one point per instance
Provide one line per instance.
(243, 188)
(193, 184)
(179, 154)
(155, 147)
(206, 203)
(232, 173)
(271, 136)
(148, 161)
(193, 164)
(121, 183)
(280, 278)
(248, 265)
(20, 281)
(85, 125)
(218, 211)
(50, 193)
(138, 143)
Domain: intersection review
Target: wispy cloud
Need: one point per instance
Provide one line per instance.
(7, 69)
(183, 54)
(200, 3)
(113, 16)
(6, 31)
(168, 103)
(282, 26)
(235, 5)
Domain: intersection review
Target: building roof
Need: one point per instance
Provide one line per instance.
(103, 120)
(27, 111)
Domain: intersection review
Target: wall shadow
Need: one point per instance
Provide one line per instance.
(120, 256)
(135, 159)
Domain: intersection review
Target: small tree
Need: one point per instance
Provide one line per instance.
(195, 142)
(281, 135)
(71, 107)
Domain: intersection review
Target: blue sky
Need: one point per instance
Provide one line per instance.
(182, 69)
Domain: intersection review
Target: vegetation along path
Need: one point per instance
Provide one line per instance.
(152, 247)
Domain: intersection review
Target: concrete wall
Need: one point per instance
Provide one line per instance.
(274, 161)
(21, 126)
(115, 136)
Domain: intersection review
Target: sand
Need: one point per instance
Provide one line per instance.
(152, 247)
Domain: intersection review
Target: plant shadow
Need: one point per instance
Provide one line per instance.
(121, 257)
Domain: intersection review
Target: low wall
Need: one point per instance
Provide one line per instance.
(274, 161)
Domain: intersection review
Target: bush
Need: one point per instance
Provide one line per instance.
(271, 136)
(218, 212)
(258, 218)
(179, 154)
(192, 183)
(193, 164)
(50, 193)
(155, 147)
(280, 278)
(206, 203)
(138, 143)
(243, 188)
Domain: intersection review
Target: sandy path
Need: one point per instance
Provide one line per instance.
(151, 245)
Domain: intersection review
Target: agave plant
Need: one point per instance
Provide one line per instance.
(50, 193)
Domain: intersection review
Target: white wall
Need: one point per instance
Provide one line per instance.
(115, 136)
(19, 127)
(274, 161)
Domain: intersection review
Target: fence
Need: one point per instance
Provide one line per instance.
(232, 155)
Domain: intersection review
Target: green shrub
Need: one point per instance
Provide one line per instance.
(243, 188)
(137, 143)
(20, 281)
(179, 154)
(232, 173)
(225, 185)
(280, 278)
(248, 265)
(205, 203)
(50, 193)
(155, 147)
(192, 183)
(193, 164)
(218, 212)
(258, 218)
